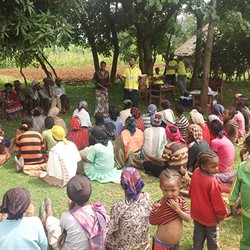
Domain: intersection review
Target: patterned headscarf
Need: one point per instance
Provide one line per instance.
(132, 182)
(130, 124)
(152, 109)
(197, 117)
(135, 112)
(53, 112)
(75, 123)
(218, 109)
(15, 203)
(59, 133)
(156, 120)
(196, 132)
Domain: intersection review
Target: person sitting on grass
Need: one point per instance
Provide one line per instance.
(4, 151)
(63, 159)
(245, 152)
(167, 113)
(196, 144)
(115, 119)
(82, 226)
(217, 113)
(136, 113)
(241, 189)
(182, 123)
(132, 139)
(21, 230)
(128, 227)
(54, 112)
(125, 113)
(230, 125)
(239, 106)
(38, 119)
(207, 205)
(99, 164)
(151, 110)
(79, 135)
(82, 113)
(168, 213)
(30, 149)
(50, 142)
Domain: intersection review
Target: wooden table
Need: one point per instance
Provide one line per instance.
(196, 94)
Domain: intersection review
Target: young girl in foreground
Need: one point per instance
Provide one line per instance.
(207, 206)
(168, 213)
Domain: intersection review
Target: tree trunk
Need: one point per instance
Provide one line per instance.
(198, 51)
(207, 55)
(115, 59)
(48, 74)
(148, 60)
(140, 52)
(167, 53)
(47, 61)
(21, 72)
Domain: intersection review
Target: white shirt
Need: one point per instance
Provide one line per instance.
(58, 91)
(83, 116)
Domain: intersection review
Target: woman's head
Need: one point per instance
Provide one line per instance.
(27, 123)
(103, 65)
(151, 109)
(179, 109)
(130, 124)
(127, 104)
(99, 120)
(194, 133)
(99, 135)
(218, 109)
(131, 183)
(165, 104)
(135, 112)
(8, 87)
(216, 128)
(170, 185)
(247, 143)
(82, 105)
(58, 134)
(156, 120)
(113, 113)
(197, 118)
(79, 189)
(15, 202)
(110, 130)
(37, 111)
(53, 112)
(229, 114)
(208, 161)
(49, 122)
(173, 132)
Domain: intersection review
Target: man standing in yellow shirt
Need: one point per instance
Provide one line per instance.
(171, 67)
(181, 71)
(131, 76)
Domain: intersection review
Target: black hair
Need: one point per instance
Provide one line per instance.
(99, 120)
(200, 110)
(216, 128)
(128, 105)
(165, 104)
(8, 85)
(27, 123)
(165, 175)
(113, 113)
(132, 56)
(157, 68)
(232, 112)
(49, 122)
(102, 62)
(172, 129)
(239, 106)
(247, 140)
(179, 109)
(204, 157)
(37, 111)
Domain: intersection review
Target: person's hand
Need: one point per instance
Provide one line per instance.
(172, 204)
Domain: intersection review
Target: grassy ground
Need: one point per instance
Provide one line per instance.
(109, 193)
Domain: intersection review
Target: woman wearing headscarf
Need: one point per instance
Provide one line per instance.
(151, 110)
(82, 113)
(30, 148)
(77, 134)
(132, 138)
(98, 159)
(217, 113)
(115, 119)
(136, 113)
(82, 226)
(167, 113)
(63, 159)
(173, 134)
(196, 144)
(53, 112)
(154, 137)
(128, 227)
(197, 118)
(18, 231)
(110, 130)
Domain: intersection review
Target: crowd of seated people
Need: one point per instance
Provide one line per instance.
(163, 143)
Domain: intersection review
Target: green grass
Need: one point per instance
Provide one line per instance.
(109, 193)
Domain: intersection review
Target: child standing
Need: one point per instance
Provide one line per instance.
(241, 188)
(207, 206)
(168, 213)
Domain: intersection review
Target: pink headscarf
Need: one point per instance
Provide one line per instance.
(174, 136)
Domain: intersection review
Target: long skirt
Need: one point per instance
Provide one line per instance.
(102, 102)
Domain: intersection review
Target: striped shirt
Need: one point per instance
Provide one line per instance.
(182, 124)
(31, 145)
(164, 213)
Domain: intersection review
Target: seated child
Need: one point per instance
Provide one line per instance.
(207, 205)
(241, 189)
(47, 134)
(182, 123)
(168, 213)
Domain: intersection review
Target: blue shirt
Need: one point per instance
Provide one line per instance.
(25, 233)
(117, 123)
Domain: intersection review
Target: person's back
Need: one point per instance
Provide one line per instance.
(239, 118)
(25, 233)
